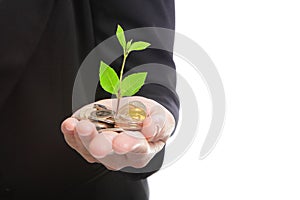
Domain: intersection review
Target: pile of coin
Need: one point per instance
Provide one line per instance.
(130, 117)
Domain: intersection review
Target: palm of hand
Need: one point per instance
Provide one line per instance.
(118, 150)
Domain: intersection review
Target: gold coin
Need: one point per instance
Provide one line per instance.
(134, 110)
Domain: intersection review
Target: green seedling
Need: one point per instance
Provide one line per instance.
(117, 85)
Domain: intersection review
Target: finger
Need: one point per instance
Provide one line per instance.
(130, 141)
(68, 125)
(86, 131)
(68, 129)
(157, 146)
(140, 160)
(76, 143)
(101, 145)
(153, 124)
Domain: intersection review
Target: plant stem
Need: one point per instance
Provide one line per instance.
(119, 95)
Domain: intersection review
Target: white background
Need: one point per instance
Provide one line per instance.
(255, 46)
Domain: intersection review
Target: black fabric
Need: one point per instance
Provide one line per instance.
(42, 44)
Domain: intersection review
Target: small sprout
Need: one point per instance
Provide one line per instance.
(131, 84)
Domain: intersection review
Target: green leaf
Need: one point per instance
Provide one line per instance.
(128, 45)
(121, 37)
(109, 79)
(132, 83)
(140, 45)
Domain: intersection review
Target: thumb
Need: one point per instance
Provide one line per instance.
(154, 123)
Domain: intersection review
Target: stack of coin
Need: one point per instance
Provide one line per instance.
(130, 117)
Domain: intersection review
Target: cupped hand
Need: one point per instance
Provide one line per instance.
(118, 150)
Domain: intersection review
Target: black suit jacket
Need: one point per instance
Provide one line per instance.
(42, 44)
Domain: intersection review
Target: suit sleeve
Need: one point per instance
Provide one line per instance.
(132, 14)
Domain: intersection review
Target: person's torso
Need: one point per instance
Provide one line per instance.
(41, 50)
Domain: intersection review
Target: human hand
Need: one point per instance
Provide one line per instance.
(118, 150)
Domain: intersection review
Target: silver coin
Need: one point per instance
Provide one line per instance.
(100, 106)
(106, 118)
(112, 129)
(100, 125)
(103, 113)
(103, 118)
(85, 112)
